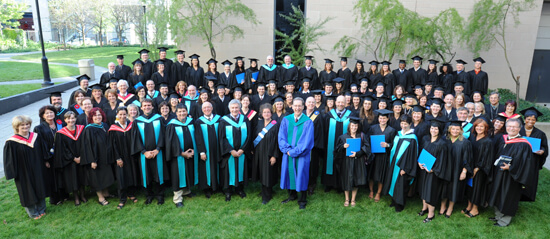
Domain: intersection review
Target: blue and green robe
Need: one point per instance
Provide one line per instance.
(334, 126)
(180, 137)
(234, 135)
(404, 156)
(206, 136)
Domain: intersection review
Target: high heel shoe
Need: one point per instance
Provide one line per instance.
(422, 213)
(428, 219)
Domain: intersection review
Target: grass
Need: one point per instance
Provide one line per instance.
(9, 90)
(325, 217)
(101, 55)
(32, 71)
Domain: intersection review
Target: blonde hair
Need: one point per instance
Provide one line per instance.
(460, 135)
(110, 91)
(18, 121)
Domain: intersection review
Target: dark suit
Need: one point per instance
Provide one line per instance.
(256, 102)
(105, 77)
(222, 107)
(402, 79)
(124, 71)
(492, 114)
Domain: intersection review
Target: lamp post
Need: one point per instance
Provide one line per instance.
(145, 25)
(45, 68)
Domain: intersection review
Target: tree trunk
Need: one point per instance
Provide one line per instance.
(83, 35)
(212, 50)
(517, 91)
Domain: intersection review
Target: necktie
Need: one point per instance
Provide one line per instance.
(261, 97)
(296, 120)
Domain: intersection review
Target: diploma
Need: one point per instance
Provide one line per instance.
(470, 182)
(354, 145)
(240, 78)
(535, 143)
(255, 76)
(375, 141)
(427, 159)
(138, 85)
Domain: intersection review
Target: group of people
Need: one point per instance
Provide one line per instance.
(169, 124)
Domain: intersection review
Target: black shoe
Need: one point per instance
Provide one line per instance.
(242, 194)
(392, 204)
(208, 194)
(302, 206)
(428, 219)
(288, 200)
(498, 225)
(160, 201)
(264, 202)
(179, 204)
(422, 213)
(327, 189)
(148, 201)
(398, 209)
(494, 219)
(228, 197)
(190, 195)
(443, 212)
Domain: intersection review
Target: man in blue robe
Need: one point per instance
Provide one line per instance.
(296, 140)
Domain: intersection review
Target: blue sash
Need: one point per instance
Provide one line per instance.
(59, 122)
(402, 149)
(229, 135)
(137, 103)
(466, 129)
(204, 128)
(78, 109)
(188, 101)
(263, 132)
(287, 67)
(156, 127)
(154, 96)
(269, 69)
(181, 159)
(331, 136)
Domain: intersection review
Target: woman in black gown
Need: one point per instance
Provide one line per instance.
(126, 168)
(354, 171)
(433, 180)
(159, 77)
(195, 74)
(531, 116)
(250, 85)
(327, 75)
(67, 158)
(266, 152)
(96, 155)
(136, 76)
(110, 108)
(359, 72)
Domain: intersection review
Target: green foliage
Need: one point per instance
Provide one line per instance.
(303, 39)
(388, 29)
(10, 12)
(506, 94)
(209, 20)
(158, 15)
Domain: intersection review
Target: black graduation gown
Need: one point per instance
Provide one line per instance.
(24, 163)
(221, 107)
(96, 148)
(158, 100)
(159, 79)
(167, 69)
(313, 75)
(68, 147)
(407, 162)
(47, 138)
(354, 170)
(225, 151)
(128, 175)
(332, 180)
(451, 115)
(530, 193)
(206, 136)
(480, 81)
(464, 78)
(483, 156)
(134, 79)
(346, 74)
(395, 123)
(236, 72)
(447, 81)
(178, 72)
(266, 74)
(110, 113)
(268, 147)
(358, 76)
(418, 77)
(178, 164)
(277, 117)
(155, 168)
(431, 184)
(123, 71)
(228, 80)
(433, 78)
(290, 74)
(389, 80)
(148, 69)
(403, 79)
(377, 170)
(319, 145)
(325, 76)
(460, 156)
(256, 103)
(492, 114)
(195, 77)
(72, 101)
(248, 84)
(106, 77)
(507, 184)
(374, 79)
(420, 130)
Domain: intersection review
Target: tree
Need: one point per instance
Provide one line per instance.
(140, 24)
(487, 27)
(122, 16)
(100, 17)
(304, 38)
(10, 12)
(81, 17)
(157, 22)
(208, 19)
(60, 16)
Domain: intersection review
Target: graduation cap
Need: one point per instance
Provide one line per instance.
(163, 85)
(159, 62)
(174, 96)
(480, 60)
(432, 61)
(113, 79)
(227, 63)
(360, 61)
(460, 61)
(531, 111)
(161, 49)
(347, 92)
(501, 118)
(374, 63)
(308, 57)
(96, 87)
(364, 79)
(272, 82)
(306, 79)
(220, 86)
(386, 63)
(138, 61)
(356, 94)
(253, 59)
(204, 90)
(439, 88)
(381, 83)
(212, 60)
(409, 95)
(82, 77)
(56, 93)
(327, 83)
(237, 88)
(383, 98)
(327, 60)
(194, 56)
(331, 97)
(418, 108)
(397, 102)
(456, 123)
(238, 58)
(459, 84)
(437, 101)
(278, 98)
(210, 78)
(338, 79)
(355, 120)
(437, 123)
(352, 85)
(317, 92)
(484, 119)
(417, 58)
(402, 62)
(418, 86)
(119, 56)
(179, 52)
(290, 82)
(368, 98)
(383, 112)
(429, 83)
(344, 58)
(143, 51)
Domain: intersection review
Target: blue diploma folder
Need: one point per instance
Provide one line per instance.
(354, 145)
(138, 85)
(535, 143)
(470, 182)
(375, 141)
(255, 76)
(427, 159)
(240, 78)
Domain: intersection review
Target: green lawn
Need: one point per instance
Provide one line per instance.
(16, 71)
(325, 217)
(101, 55)
(9, 90)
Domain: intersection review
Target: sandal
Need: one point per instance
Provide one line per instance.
(377, 197)
(353, 203)
(134, 199)
(423, 212)
(428, 219)
(346, 203)
(120, 206)
(441, 213)
(103, 203)
(465, 211)
(37, 217)
(470, 215)
(371, 195)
